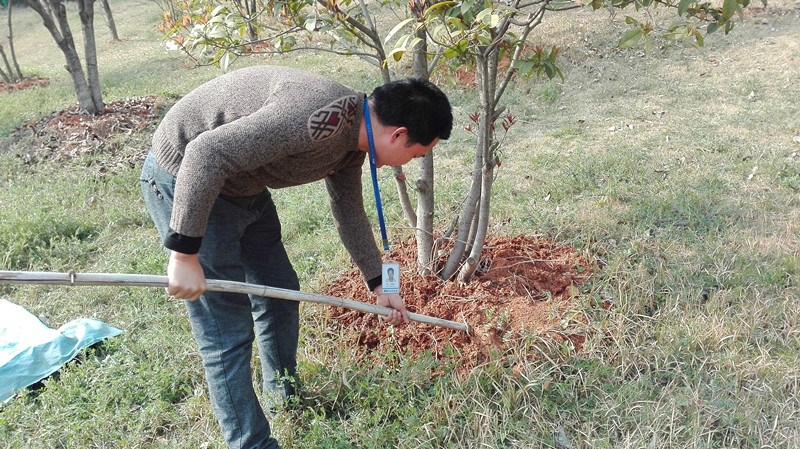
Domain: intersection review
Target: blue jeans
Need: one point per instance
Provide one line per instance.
(242, 243)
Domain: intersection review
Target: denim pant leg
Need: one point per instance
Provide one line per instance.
(276, 320)
(222, 323)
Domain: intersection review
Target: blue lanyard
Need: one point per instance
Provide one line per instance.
(374, 170)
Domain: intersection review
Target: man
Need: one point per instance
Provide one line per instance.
(214, 155)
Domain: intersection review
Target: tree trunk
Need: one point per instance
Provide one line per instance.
(54, 16)
(112, 27)
(86, 13)
(475, 216)
(11, 41)
(252, 32)
(3, 74)
(403, 197)
(487, 82)
(10, 77)
(467, 215)
(425, 201)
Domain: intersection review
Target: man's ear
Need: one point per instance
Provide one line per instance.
(399, 132)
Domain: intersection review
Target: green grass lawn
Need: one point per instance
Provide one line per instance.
(677, 171)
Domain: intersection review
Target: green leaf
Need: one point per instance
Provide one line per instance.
(288, 43)
(455, 51)
(488, 17)
(410, 44)
(482, 16)
(456, 23)
(437, 7)
(218, 10)
(698, 36)
(226, 61)
(397, 28)
(549, 69)
(524, 67)
(729, 8)
(683, 6)
(630, 38)
(450, 52)
(311, 24)
(711, 28)
(396, 54)
(728, 27)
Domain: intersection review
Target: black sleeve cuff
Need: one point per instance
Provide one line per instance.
(374, 282)
(182, 243)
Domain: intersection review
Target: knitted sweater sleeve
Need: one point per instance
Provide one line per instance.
(216, 154)
(347, 206)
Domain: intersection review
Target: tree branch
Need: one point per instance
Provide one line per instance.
(528, 4)
(353, 22)
(534, 21)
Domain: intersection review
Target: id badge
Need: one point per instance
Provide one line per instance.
(391, 277)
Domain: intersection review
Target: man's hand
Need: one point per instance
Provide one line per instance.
(397, 316)
(186, 278)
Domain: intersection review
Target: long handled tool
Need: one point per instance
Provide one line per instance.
(214, 285)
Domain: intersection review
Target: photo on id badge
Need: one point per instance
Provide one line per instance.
(391, 277)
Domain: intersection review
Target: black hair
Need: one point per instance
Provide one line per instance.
(416, 104)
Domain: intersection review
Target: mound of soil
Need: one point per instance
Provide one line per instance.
(525, 286)
(70, 134)
(26, 83)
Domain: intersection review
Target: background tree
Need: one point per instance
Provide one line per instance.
(491, 37)
(11, 74)
(112, 27)
(486, 33)
(54, 17)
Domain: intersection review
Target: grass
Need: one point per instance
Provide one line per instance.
(677, 171)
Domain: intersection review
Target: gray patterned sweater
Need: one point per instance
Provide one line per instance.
(263, 127)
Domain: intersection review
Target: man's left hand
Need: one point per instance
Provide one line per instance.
(399, 315)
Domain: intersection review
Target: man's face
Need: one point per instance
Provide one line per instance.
(394, 150)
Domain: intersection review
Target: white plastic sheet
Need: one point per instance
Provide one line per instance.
(31, 351)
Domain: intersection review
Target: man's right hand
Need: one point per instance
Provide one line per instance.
(186, 278)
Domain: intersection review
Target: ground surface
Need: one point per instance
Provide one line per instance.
(524, 285)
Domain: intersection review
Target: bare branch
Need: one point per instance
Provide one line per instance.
(564, 8)
(351, 21)
(355, 31)
(533, 22)
(367, 17)
(437, 56)
(373, 59)
(528, 4)
(3, 74)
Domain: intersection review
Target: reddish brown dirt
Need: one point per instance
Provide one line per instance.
(27, 83)
(527, 287)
